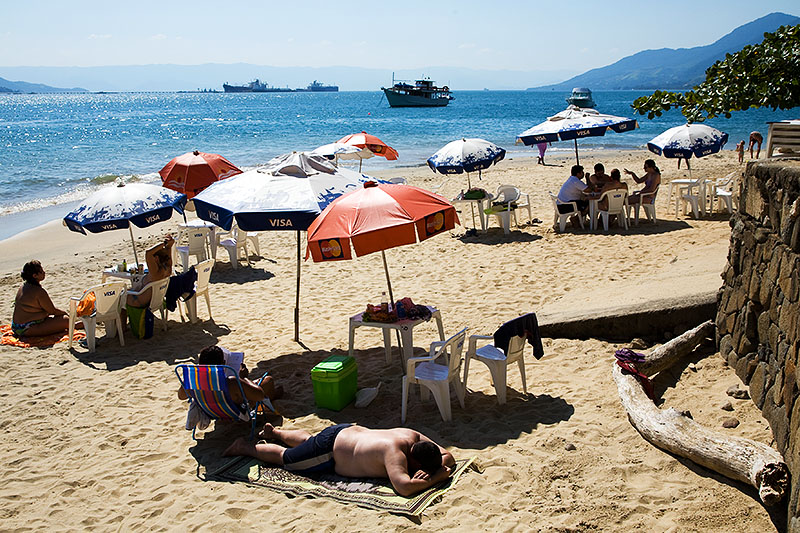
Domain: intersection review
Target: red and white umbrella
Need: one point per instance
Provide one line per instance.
(371, 143)
(375, 218)
(192, 172)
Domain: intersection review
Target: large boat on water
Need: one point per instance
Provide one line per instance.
(581, 97)
(423, 93)
(255, 86)
(317, 87)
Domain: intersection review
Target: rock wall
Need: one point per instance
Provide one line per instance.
(758, 313)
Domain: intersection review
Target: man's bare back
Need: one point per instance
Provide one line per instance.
(362, 452)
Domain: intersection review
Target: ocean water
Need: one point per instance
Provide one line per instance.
(56, 149)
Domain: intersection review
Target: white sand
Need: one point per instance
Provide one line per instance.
(97, 440)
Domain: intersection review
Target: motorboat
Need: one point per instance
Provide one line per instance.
(423, 93)
(581, 97)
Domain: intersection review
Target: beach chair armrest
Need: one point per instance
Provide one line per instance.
(412, 363)
(473, 342)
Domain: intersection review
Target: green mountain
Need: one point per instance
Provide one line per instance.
(8, 86)
(669, 68)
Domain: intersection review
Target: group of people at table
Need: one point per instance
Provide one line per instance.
(580, 187)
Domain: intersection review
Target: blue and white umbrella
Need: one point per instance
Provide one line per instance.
(466, 155)
(575, 123)
(286, 194)
(688, 140)
(117, 207)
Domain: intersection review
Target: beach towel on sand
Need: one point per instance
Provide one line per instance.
(372, 493)
(7, 338)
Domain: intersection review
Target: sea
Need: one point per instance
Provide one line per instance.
(56, 149)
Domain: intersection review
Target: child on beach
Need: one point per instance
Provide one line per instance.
(740, 151)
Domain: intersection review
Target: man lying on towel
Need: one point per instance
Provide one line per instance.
(410, 460)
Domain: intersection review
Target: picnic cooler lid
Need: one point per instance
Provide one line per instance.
(334, 368)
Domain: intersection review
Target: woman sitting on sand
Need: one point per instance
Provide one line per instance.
(34, 312)
(651, 180)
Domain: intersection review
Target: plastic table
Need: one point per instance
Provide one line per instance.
(405, 327)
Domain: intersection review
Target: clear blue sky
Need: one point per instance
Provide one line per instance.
(523, 35)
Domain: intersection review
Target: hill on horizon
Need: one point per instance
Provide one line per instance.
(8, 86)
(669, 68)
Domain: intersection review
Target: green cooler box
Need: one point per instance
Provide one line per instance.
(335, 381)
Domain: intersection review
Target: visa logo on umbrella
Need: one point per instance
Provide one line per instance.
(151, 219)
(281, 222)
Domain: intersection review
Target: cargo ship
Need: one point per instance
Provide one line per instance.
(255, 86)
(317, 87)
(424, 93)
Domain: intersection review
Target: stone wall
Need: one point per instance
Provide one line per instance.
(758, 314)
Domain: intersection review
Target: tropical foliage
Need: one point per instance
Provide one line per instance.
(759, 75)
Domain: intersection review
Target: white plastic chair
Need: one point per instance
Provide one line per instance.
(252, 238)
(201, 289)
(561, 218)
(109, 300)
(689, 198)
(198, 246)
(721, 192)
(505, 203)
(234, 243)
(617, 201)
(649, 208)
(436, 377)
(156, 305)
(497, 361)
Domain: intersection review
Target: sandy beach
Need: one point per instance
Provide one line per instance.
(96, 440)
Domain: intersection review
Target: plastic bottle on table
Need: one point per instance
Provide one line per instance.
(384, 303)
(124, 265)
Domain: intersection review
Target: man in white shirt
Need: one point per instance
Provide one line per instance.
(573, 191)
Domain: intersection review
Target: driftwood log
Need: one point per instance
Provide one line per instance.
(737, 458)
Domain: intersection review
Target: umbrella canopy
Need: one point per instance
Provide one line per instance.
(465, 155)
(119, 206)
(286, 194)
(370, 142)
(375, 218)
(688, 140)
(337, 151)
(192, 172)
(574, 123)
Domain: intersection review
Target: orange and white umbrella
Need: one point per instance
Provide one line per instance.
(371, 143)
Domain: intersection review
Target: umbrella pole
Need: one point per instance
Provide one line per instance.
(360, 162)
(133, 242)
(471, 205)
(297, 297)
(388, 281)
(577, 161)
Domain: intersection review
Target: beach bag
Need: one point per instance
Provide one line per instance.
(86, 306)
(141, 320)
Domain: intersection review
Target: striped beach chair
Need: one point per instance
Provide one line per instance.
(207, 386)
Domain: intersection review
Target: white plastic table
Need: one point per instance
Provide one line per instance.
(114, 272)
(405, 327)
(472, 201)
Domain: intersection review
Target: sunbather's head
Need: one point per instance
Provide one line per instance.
(615, 175)
(29, 271)
(164, 259)
(599, 168)
(211, 355)
(577, 169)
(427, 455)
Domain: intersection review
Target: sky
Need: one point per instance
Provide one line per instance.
(516, 35)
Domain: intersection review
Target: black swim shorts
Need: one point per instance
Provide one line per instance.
(316, 454)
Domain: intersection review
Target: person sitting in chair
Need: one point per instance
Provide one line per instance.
(410, 460)
(651, 180)
(159, 266)
(573, 190)
(614, 183)
(34, 312)
(214, 355)
(599, 178)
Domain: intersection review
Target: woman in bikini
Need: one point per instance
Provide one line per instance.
(651, 180)
(34, 312)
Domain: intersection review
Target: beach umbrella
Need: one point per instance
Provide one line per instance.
(192, 172)
(286, 194)
(575, 123)
(375, 218)
(688, 140)
(121, 206)
(371, 143)
(336, 151)
(466, 155)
